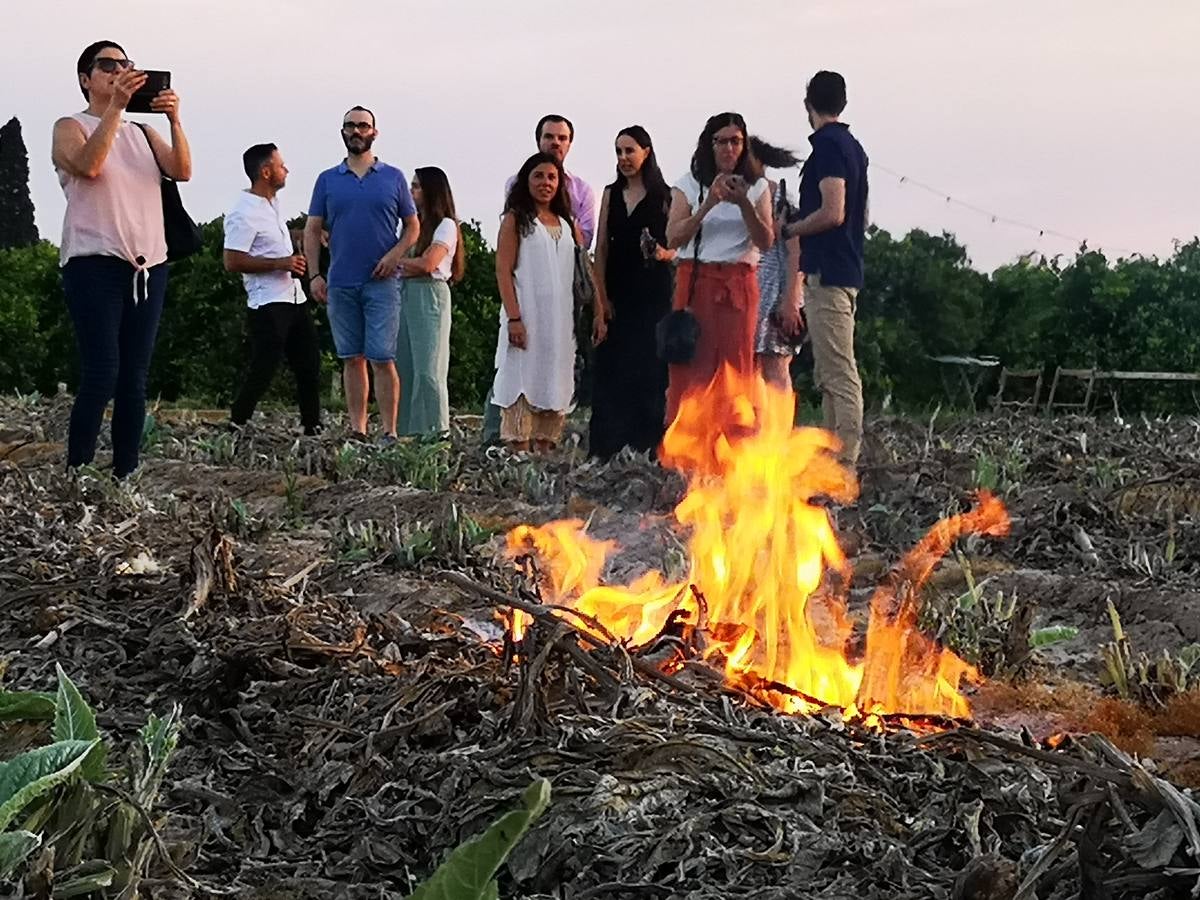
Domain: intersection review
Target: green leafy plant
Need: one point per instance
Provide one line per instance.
(293, 495)
(16, 706)
(1052, 634)
(1001, 472)
(1109, 473)
(361, 541)
(407, 544)
(152, 434)
(419, 462)
(469, 872)
(220, 449)
(239, 521)
(412, 543)
(995, 633)
(347, 462)
(460, 534)
(63, 796)
(1149, 680)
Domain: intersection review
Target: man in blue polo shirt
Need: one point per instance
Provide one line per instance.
(361, 203)
(832, 227)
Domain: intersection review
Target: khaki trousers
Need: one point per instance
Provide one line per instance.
(830, 313)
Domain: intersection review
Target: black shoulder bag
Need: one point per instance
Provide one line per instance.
(184, 237)
(676, 334)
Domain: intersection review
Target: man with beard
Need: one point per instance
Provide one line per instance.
(361, 203)
(554, 135)
(258, 244)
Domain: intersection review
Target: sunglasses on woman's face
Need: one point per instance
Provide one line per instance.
(108, 65)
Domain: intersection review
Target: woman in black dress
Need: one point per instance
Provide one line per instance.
(630, 381)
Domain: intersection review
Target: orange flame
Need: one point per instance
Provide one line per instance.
(768, 574)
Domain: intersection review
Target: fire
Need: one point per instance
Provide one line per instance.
(764, 595)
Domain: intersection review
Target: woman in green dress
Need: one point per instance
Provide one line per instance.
(423, 343)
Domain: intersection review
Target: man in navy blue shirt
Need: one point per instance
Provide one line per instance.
(831, 228)
(361, 203)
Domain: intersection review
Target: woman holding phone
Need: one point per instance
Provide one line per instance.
(114, 246)
(720, 220)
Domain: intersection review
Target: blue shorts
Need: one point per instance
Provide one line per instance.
(365, 319)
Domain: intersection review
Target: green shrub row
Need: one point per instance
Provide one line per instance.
(922, 299)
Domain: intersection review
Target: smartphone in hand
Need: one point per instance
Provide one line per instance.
(156, 81)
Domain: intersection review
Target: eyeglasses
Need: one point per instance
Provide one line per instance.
(730, 142)
(360, 127)
(108, 65)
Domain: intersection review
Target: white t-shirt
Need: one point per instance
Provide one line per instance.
(256, 226)
(723, 236)
(445, 234)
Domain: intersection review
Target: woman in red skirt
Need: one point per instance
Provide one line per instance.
(720, 220)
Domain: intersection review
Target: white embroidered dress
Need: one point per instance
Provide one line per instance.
(545, 371)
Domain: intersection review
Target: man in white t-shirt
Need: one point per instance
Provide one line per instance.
(258, 244)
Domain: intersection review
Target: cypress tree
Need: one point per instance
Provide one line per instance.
(17, 227)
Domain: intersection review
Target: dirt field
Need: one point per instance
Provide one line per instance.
(349, 715)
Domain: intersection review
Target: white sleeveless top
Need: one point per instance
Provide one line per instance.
(545, 370)
(119, 212)
(724, 237)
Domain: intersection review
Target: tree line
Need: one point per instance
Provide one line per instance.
(922, 298)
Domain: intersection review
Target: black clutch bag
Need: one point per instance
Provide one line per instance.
(676, 335)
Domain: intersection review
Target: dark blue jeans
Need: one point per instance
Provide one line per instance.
(115, 337)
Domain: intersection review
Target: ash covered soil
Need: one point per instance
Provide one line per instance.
(350, 716)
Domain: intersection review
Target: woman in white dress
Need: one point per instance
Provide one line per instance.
(535, 267)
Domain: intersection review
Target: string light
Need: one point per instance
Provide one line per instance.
(995, 218)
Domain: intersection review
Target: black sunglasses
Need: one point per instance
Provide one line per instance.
(361, 127)
(108, 65)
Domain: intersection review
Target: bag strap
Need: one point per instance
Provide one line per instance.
(696, 247)
(146, 135)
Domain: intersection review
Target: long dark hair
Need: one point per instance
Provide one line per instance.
(767, 156)
(652, 176)
(704, 160)
(437, 203)
(521, 204)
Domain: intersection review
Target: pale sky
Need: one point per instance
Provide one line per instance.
(1078, 116)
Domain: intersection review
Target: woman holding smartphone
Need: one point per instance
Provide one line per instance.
(720, 220)
(633, 268)
(114, 247)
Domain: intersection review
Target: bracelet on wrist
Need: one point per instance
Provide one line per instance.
(514, 318)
